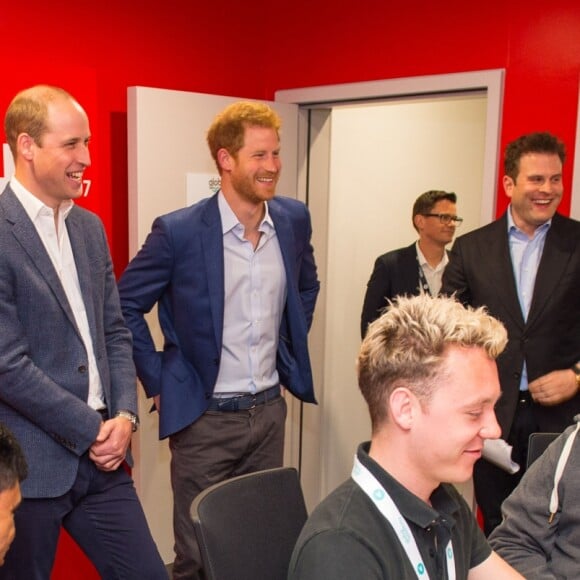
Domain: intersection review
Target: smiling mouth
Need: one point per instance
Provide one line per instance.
(473, 451)
(76, 175)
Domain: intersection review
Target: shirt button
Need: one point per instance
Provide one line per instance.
(82, 369)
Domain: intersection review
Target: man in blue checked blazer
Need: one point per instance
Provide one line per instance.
(67, 381)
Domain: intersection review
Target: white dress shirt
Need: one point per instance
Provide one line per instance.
(434, 276)
(54, 236)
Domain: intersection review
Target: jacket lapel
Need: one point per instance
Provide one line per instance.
(213, 249)
(78, 244)
(286, 241)
(555, 257)
(25, 233)
(498, 250)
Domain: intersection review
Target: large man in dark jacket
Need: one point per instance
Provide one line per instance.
(525, 268)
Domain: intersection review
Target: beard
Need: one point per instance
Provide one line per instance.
(251, 190)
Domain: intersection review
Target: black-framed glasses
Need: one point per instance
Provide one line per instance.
(446, 218)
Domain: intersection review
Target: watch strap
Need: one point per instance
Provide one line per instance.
(576, 369)
(131, 416)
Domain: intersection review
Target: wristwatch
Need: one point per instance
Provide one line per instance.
(131, 416)
(576, 369)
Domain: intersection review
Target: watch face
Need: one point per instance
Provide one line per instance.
(131, 417)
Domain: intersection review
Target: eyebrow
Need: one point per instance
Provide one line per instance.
(481, 402)
(542, 176)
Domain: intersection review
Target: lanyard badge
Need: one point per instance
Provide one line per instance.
(385, 504)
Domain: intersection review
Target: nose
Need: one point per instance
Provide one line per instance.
(84, 155)
(491, 428)
(273, 164)
(548, 186)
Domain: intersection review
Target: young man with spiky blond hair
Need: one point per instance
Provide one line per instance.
(427, 371)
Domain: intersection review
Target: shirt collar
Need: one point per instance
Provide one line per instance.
(511, 225)
(423, 261)
(230, 220)
(32, 205)
(411, 507)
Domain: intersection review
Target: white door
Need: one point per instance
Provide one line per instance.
(380, 158)
(372, 148)
(167, 151)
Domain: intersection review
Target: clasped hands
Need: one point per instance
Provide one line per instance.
(110, 447)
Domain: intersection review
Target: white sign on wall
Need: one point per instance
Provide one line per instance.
(201, 185)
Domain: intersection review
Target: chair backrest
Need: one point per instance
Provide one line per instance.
(537, 444)
(247, 526)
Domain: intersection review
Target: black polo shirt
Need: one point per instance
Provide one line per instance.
(346, 537)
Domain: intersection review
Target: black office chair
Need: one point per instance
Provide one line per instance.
(247, 526)
(537, 444)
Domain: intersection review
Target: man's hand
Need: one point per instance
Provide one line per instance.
(110, 447)
(554, 388)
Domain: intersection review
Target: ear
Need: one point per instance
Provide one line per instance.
(508, 185)
(25, 146)
(403, 407)
(225, 160)
(419, 222)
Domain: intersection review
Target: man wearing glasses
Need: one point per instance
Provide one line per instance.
(418, 267)
(525, 268)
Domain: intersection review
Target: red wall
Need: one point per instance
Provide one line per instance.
(97, 49)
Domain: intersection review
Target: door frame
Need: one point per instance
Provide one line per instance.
(491, 81)
(305, 422)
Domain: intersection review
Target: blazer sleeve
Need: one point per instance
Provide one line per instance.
(455, 279)
(118, 344)
(308, 283)
(376, 296)
(526, 538)
(140, 287)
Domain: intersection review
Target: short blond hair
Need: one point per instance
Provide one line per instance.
(228, 128)
(28, 113)
(407, 346)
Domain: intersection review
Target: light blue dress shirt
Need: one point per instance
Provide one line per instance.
(526, 254)
(255, 295)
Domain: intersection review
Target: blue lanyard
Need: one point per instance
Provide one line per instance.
(385, 504)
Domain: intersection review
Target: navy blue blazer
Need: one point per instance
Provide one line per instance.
(44, 381)
(181, 269)
(480, 272)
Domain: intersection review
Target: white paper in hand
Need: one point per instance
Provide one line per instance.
(498, 452)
